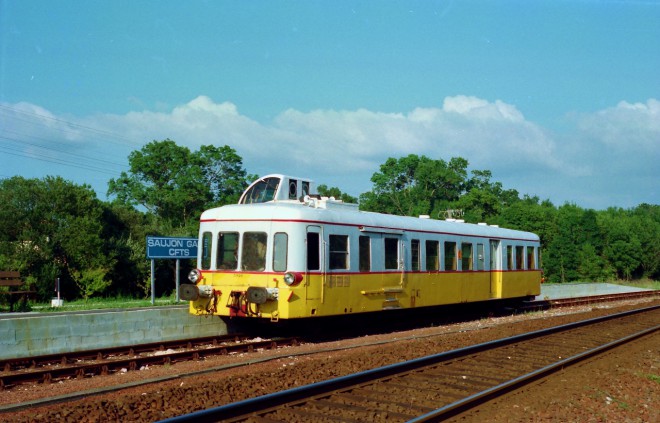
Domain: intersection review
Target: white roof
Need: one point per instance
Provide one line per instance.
(299, 212)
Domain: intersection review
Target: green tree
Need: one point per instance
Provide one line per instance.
(52, 228)
(176, 184)
(561, 261)
(335, 192)
(646, 225)
(622, 249)
(415, 185)
(591, 266)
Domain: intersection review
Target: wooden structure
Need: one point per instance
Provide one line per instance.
(16, 290)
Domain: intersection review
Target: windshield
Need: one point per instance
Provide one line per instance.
(262, 191)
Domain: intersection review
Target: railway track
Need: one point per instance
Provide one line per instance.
(51, 368)
(56, 367)
(592, 299)
(439, 386)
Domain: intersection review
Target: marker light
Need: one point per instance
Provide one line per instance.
(194, 275)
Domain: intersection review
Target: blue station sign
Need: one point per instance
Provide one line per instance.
(171, 247)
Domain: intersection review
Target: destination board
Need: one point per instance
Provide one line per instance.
(171, 248)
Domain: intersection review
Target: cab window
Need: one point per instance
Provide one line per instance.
(207, 238)
(227, 250)
(262, 191)
(253, 254)
(280, 251)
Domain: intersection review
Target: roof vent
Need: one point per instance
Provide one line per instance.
(424, 216)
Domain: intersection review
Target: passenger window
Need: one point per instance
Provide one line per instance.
(338, 252)
(280, 251)
(313, 261)
(509, 257)
(531, 262)
(207, 238)
(432, 256)
(391, 253)
(466, 256)
(450, 256)
(253, 254)
(520, 257)
(365, 253)
(414, 252)
(227, 258)
(481, 258)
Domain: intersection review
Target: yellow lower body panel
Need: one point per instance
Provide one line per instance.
(338, 294)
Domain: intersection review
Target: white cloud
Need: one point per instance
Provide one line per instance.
(626, 126)
(345, 147)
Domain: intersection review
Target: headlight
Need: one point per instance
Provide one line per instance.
(292, 278)
(194, 275)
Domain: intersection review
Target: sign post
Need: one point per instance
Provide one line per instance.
(159, 247)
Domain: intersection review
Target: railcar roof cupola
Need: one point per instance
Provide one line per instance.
(277, 188)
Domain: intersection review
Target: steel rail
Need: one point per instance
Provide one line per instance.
(32, 362)
(593, 299)
(472, 401)
(260, 405)
(134, 363)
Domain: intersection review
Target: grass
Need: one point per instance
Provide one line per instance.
(641, 283)
(104, 303)
(653, 378)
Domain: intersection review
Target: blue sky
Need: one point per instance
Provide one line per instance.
(559, 99)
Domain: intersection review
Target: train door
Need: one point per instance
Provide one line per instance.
(315, 263)
(495, 269)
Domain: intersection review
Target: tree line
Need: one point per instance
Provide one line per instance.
(52, 228)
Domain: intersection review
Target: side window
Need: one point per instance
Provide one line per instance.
(313, 260)
(207, 238)
(509, 257)
(227, 250)
(365, 253)
(531, 258)
(466, 256)
(481, 257)
(305, 188)
(280, 251)
(391, 253)
(432, 255)
(414, 252)
(253, 254)
(338, 252)
(450, 256)
(520, 257)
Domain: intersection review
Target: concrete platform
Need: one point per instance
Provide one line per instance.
(574, 290)
(29, 334)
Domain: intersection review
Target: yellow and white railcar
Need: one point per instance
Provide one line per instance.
(283, 254)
